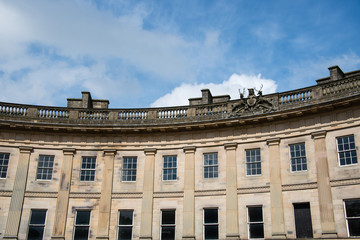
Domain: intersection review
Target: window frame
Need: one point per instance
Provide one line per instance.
(48, 168)
(249, 223)
(81, 225)
(346, 217)
(37, 225)
(169, 168)
(124, 225)
(87, 169)
(4, 166)
(253, 163)
(344, 151)
(211, 224)
(127, 170)
(212, 166)
(167, 225)
(298, 157)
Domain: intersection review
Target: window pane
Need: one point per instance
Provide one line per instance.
(125, 233)
(352, 208)
(167, 233)
(354, 227)
(35, 233)
(212, 232)
(82, 217)
(211, 216)
(168, 217)
(256, 230)
(81, 233)
(38, 217)
(126, 217)
(255, 214)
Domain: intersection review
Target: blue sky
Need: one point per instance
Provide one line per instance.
(160, 53)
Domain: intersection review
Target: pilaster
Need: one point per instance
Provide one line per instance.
(324, 189)
(189, 194)
(17, 198)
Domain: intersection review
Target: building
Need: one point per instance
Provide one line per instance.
(273, 166)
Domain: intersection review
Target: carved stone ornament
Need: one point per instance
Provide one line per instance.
(255, 104)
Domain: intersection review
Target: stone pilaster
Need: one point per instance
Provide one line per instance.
(232, 225)
(277, 208)
(324, 190)
(189, 194)
(17, 198)
(63, 194)
(105, 198)
(148, 192)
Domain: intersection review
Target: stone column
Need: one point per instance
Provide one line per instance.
(147, 199)
(105, 198)
(63, 195)
(324, 190)
(277, 208)
(17, 197)
(232, 226)
(189, 194)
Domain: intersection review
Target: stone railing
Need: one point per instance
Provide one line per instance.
(323, 92)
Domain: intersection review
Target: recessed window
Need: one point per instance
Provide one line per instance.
(125, 224)
(82, 225)
(210, 165)
(169, 168)
(4, 163)
(36, 224)
(45, 167)
(88, 167)
(298, 157)
(255, 222)
(211, 223)
(352, 214)
(347, 150)
(253, 162)
(129, 169)
(167, 224)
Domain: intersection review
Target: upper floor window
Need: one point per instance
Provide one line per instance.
(352, 214)
(346, 150)
(211, 223)
(167, 224)
(36, 225)
(298, 157)
(4, 163)
(210, 165)
(125, 224)
(255, 222)
(82, 225)
(129, 169)
(170, 168)
(45, 167)
(253, 162)
(88, 167)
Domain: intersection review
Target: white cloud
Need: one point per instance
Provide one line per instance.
(180, 95)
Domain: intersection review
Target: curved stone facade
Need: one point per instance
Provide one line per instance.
(258, 166)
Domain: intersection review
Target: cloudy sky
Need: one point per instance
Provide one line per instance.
(160, 53)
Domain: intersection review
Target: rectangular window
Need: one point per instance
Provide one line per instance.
(347, 150)
(210, 165)
(4, 163)
(352, 214)
(303, 225)
(129, 169)
(298, 157)
(211, 223)
(253, 162)
(36, 224)
(82, 225)
(167, 224)
(45, 167)
(169, 168)
(255, 222)
(88, 166)
(125, 224)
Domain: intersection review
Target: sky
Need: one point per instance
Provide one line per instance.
(140, 54)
